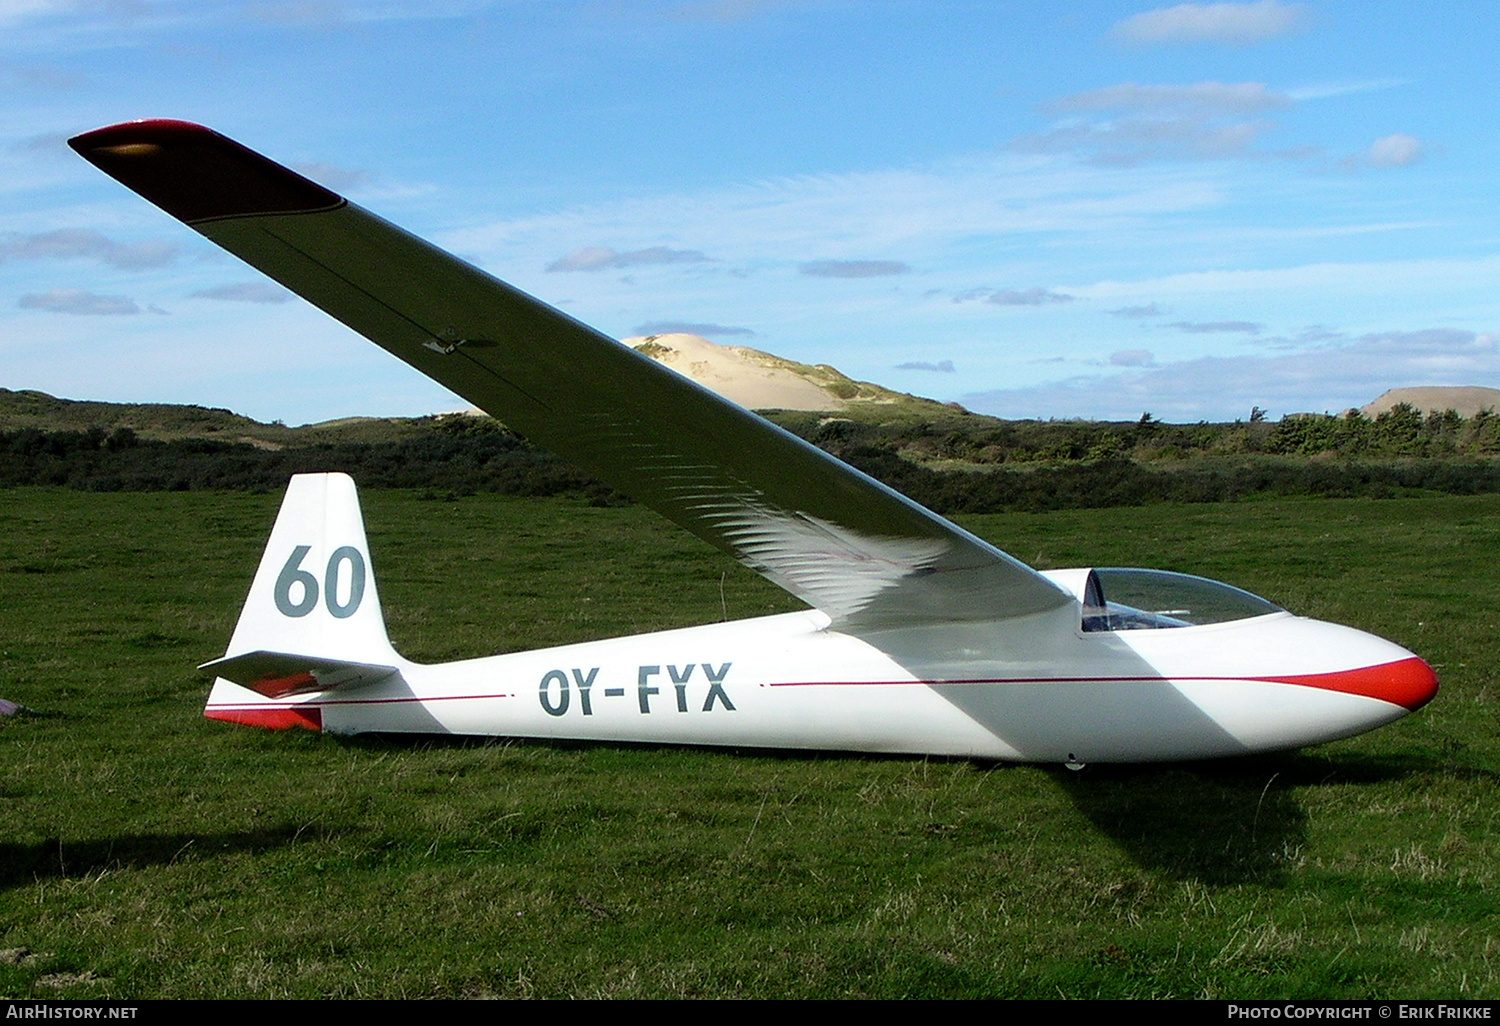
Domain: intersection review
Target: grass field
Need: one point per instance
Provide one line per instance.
(146, 852)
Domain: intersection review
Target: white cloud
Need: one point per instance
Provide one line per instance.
(1228, 23)
(1129, 142)
(1327, 89)
(17, 10)
(105, 17)
(1130, 123)
(1388, 151)
(853, 268)
(1000, 217)
(77, 301)
(599, 258)
(919, 211)
(690, 328)
(1132, 358)
(42, 77)
(1362, 285)
(941, 366)
(1014, 297)
(332, 176)
(246, 292)
(1314, 336)
(1330, 379)
(1138, 311)
(72, 243)
(1205, 99)
(52, 144)
(1215, 327)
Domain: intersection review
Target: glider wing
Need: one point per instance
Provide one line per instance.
(833, 537)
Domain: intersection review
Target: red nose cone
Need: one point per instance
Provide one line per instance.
(1409, 683)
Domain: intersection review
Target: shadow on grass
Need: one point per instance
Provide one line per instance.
(1227, 822)
(1218, 822)
(56, 859)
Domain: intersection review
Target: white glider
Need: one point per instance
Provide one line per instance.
(921, 637)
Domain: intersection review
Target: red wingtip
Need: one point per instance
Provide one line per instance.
(195, 174)
(127, 131)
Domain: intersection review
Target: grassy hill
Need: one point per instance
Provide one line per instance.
(38, 411)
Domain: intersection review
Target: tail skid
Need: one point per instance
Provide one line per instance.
(312, 622)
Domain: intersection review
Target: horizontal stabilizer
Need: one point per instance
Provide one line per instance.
(279, 674)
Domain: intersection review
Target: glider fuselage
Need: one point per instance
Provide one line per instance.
(1036, 689)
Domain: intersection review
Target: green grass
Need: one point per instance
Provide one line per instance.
(146, 852)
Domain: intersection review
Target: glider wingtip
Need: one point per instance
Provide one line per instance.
(195, 174)
(140, 130)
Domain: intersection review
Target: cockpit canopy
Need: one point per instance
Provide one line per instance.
(1118, 599)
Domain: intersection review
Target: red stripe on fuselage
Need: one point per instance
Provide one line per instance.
(1409, 683)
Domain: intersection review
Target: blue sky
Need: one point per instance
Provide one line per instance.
(1038, 210)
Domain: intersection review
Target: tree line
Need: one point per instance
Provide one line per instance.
(1401, 432)
(1015, 466)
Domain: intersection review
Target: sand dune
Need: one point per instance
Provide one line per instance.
(1465, 400)
(755, 380)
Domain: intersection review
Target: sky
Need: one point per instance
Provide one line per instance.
(1067, 209)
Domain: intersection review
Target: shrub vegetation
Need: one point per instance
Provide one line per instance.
(960, 463)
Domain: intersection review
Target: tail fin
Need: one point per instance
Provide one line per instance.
(312, 621)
